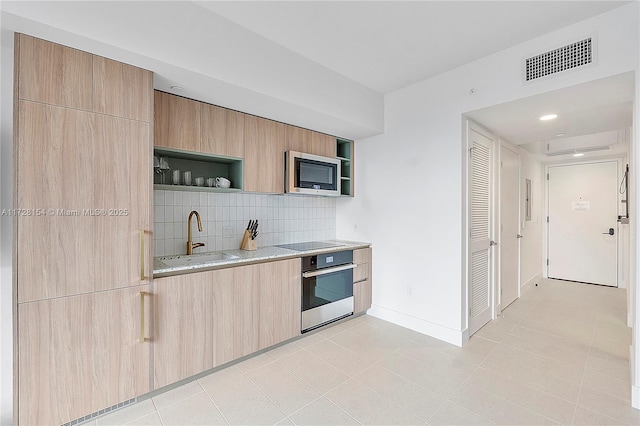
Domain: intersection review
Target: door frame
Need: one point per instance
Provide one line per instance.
(469, 125)
(507, 145)
(545, 225)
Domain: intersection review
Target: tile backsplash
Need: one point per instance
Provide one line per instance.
(282, 218)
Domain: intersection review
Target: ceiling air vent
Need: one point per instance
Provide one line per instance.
(564, 58)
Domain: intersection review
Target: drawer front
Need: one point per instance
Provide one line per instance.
(361, 296)
(362, 255)
(361, 273)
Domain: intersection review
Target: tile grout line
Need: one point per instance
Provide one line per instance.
(214, 402)
(479, 366)
(378, 393)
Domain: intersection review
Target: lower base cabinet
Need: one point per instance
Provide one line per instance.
(81, 354)
(206, 319)
(362, 280)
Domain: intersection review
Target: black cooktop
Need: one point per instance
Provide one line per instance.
(311, 245)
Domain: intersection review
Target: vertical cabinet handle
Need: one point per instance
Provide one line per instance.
(142, 256)
(142, 295)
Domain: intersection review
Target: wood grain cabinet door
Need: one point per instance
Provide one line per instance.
(184, 333)
(264, 147)
(246, 310)
(222, 131)
(323, 144)
(53, 74)
(80, 354)
(122, 90)
(176, 122)
(280, 301)
(87, 177)
(310, 142)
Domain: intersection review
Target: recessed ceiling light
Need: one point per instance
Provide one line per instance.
(578, 154)
(177, 88)
(548, 117)
(559, 135)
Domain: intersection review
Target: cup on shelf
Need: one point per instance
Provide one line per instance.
(176, 177)
(211, 182)
(187, 178)
(223, 182)
(199, 181)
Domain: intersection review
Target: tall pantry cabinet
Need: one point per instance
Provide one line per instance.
(82, 258)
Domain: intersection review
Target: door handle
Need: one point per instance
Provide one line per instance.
(329, 270)
(142, 328)
(493, 243)
(519, 236)
(611, 232)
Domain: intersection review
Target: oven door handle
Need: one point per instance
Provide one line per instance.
(328, 270)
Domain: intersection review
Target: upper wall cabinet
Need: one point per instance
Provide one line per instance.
(54, 74)
(176, 122)
(188, 125)
(264, 155)
(322, 144)
(222, 131)
(303, 140)
(121, 90)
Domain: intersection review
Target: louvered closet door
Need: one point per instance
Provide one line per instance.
(480, 259)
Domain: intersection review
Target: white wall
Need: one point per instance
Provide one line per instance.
(531, 242)
(409, 201)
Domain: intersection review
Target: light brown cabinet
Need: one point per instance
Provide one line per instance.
(121, 90)
(190, 125)
(53, 74)
(280, 301)
(362, 280)
(194, 126)
(310, 142)
(184, 334)
(80, 354)
(222, 131)
(81, 174)
(176, 122)
(264, 155)
(207, 319)
(83, 177)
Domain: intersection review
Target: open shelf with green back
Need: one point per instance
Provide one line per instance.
(344, 152)
(200, 165)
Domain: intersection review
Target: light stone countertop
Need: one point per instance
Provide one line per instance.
(231, 258)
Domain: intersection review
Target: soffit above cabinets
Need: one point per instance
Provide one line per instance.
(319, 65)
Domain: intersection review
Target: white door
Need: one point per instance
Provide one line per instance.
(480, 233)
(583, 227)
(509, 226)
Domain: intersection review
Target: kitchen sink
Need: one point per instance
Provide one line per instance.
(184, 260)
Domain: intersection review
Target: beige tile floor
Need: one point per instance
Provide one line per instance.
(559, 355)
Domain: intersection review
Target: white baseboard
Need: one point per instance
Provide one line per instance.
(531, 281)
(455, 337)
(635, 397)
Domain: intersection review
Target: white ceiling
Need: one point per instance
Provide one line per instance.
(388, 45)
(593, 107)
(324, 65)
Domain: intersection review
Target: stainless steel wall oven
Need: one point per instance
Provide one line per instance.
(327, 288)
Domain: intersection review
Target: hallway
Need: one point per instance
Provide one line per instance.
(569, 340)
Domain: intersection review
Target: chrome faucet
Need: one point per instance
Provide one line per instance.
(190, 244)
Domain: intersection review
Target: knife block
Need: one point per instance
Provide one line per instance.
(247, 243)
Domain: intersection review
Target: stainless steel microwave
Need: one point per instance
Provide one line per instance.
(311, 174)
